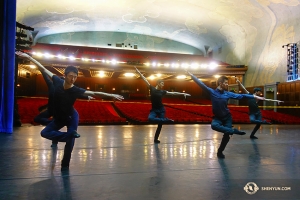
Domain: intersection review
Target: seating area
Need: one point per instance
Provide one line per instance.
(90, 112)
(95, 112)
(136, 112)
(280, 118)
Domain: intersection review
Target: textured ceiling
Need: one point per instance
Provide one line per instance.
(239, 26)
(197, 23)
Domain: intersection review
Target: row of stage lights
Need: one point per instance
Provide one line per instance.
(114, 62)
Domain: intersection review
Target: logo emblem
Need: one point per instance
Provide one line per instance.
(251, 188)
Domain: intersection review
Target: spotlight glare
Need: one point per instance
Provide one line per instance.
(129, 74)
(113, 61)
(194, 65)
(101, 74)
(213, 65)
(39, 54)
(151, 77)
(72, 58)
(181, 77)
(204, 66)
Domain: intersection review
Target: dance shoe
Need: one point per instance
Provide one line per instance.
(75, 134)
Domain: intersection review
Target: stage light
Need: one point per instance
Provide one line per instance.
(129, 74)
(151, 77)
(194, 65)
(72, 58)
(101, 74)
(113, 61)
(204, 66)
(39, 54)
(181, 77)
(212, 65)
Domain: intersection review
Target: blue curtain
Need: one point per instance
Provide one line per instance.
(7, 64)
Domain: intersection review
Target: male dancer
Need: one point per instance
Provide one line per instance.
(157, 113)
(222, 120)
(65, 94)
(254, 111)
(47, 110)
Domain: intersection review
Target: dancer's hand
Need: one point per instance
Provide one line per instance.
(186, 95)
(237, 80)
(22, 54)
(90, 98)
(189, 73)
(116, 96)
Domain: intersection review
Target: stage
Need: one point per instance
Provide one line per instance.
(122, 162)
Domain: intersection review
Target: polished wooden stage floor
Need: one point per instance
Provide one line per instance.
(121, 162)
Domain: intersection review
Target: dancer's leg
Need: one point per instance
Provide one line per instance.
(72, 126)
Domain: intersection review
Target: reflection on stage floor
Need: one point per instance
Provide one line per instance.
(122, 162)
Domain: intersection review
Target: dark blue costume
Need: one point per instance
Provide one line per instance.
(64, 114)
(157, 113)
(222, 120)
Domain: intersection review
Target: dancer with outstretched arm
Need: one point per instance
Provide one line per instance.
(64, 114)
(157, 113)
(46, 111)
(254, 111)
(222, 120)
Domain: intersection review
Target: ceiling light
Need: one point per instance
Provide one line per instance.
(204, 66)
(72, 58)
(217, 76)
(181, 77)
(158, 75)
(212, 65)
(151, 77)
(194, 65)
(101, 74)
(113, 61)
(129, 74)
(39, 54)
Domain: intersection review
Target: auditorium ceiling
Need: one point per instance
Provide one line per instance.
(238, 32)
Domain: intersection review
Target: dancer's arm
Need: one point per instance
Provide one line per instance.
(199, 82)
(259, 98)
(145, 80)
(40, 66)
(240, 84)
(115, 96)
(178, 93)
